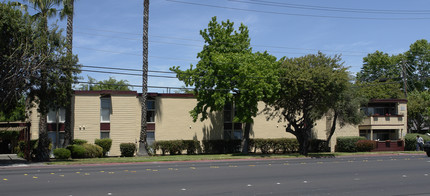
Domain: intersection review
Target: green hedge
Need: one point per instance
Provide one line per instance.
(365, 145)
(127, 149)
(62, 153)
(93, 151)
(77, 151)
(174, 147)
(280, 145)
(221, 146)
(79, 141)
(32, 146)
(347, 144)
(411, 140)
(106, 144)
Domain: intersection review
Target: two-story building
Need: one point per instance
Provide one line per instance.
(117, 114)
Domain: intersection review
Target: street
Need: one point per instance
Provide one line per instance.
(360, 175)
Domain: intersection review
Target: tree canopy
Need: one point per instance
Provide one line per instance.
(229, 72)
(109, 84)
(419, 110)
(310, 86)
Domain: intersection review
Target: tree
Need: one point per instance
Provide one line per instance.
(418, 65)
(18, 54)
(419, 110)
(110, 84)
(68, 10)
(389, 89)
(143, 144)
(347, 110)
(310, 86)
(229, 73)
(380, 66)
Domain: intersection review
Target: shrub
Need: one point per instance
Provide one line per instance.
(127, 149)
(32, 146)
(192, 146)
(93, 151)
(347, 144)
(265, 145)
(105, 144)
(411, 140)
(62, 153)
(79, 141)
(317, 145)
(365, 145)
(279, 145)
(78, 151)
(221, 146)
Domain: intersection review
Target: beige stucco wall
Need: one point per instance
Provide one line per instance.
(124, 121)
(268, 128)
(86, 117)
(173, 121)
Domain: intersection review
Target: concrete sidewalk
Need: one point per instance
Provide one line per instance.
(10, 159)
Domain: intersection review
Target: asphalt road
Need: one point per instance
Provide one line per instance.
(374, 175)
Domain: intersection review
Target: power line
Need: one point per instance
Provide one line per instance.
(252, 45)
(332, 9)
(291, 14)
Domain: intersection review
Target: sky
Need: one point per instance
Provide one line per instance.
(108, 33)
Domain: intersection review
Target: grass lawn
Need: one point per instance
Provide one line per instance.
(214, 157)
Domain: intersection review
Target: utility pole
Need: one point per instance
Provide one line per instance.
(405, 86)
(143, 151)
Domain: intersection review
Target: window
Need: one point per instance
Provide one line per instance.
(52, 115)
(104, 134)
(150, 113)
(150, 138)
(105, 109)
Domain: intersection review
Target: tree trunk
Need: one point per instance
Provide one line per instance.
(245, 140)
(68, 136)
(333, 128)
(143, 151)
(303, 138)
(44, 142)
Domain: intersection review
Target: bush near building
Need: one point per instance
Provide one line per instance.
(365, 145)
(92, 151)
(105, 143)
(127, 149)
(411, 140)
(347, 144)
(77, 151)
(79, 141)
(62, 153)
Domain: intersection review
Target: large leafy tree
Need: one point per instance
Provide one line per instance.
(310, 86)
(380, 66)
(228, 72)
(347, 109)
(418, 65)
(419, 110)
(18, 57)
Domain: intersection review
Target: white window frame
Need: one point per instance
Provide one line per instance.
(104, 110)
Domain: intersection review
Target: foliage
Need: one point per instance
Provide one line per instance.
(411, 140)
(92, 151)
(31, 146)
(310, 86)
(62, 153)
(266, 146)
(221, 146)
(317, 145)
(347, 144)
(17, 114)
(127, 149)
(365, 145)
(388, 89)
(78, 151)
(228, 72)
(418, 110)
(380, 66)
(79, 141)
(177, 146)
(105, 143)
(9, 135)
(418, 65)
(110, 84)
